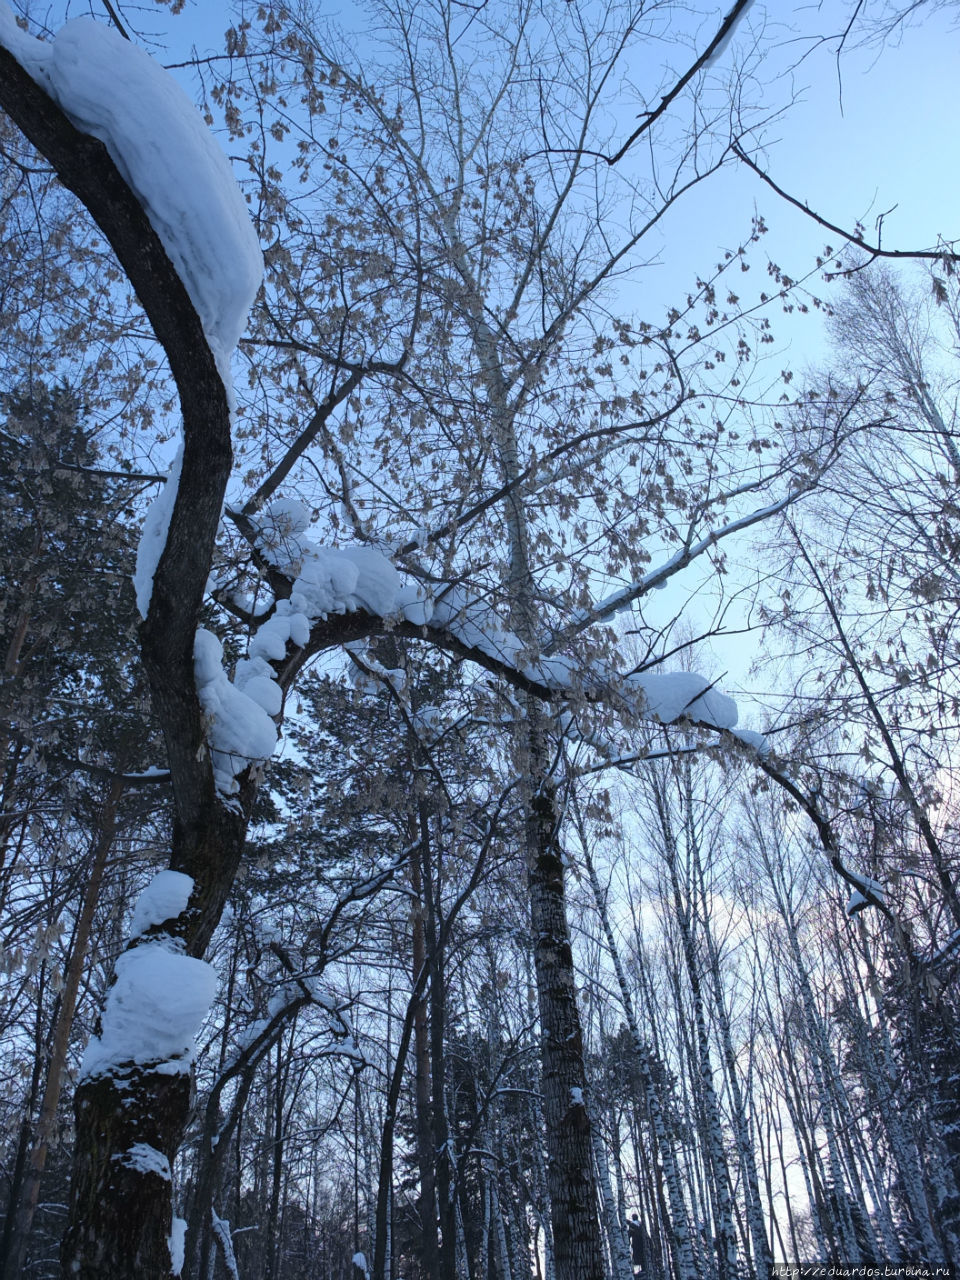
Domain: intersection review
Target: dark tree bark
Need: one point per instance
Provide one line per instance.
(120, 1218)
(570, 1182)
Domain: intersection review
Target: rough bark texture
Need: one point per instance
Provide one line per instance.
(120, 1219)
(573, 1198)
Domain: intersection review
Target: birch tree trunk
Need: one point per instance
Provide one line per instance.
(726, 1243)
(679, 1220)
(621, 1268)
(762, 1257)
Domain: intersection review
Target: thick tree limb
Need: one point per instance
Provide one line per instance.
(84, 165)
(204, 830)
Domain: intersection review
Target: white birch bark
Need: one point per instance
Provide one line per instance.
(680, 1223)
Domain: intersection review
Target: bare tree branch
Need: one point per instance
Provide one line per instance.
(650, 117)
(875, 250)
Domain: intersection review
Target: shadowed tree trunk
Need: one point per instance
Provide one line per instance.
(22, 1219)
(120, 1217)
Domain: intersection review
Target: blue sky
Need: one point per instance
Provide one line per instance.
(889, 139)
(877, 130)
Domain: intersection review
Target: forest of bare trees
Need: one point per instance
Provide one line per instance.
(390, 885)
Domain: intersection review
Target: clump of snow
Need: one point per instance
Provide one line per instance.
(327, 579)
(475, 624)
(415, 603)
(869, 885)
(153, 538)
(757, 741)
(257, 680)
(114, 91)
(370, 676)
(221, 1229)
(153, 1012)
(254, 605)
(143, 1158)
(272, 636)
(558, 672)
(338, 581)
(866, 885)
(576, 1096)
(33, 55)
(176, 1242)
(360, 1262)
(164, 898)
(279, 528)
(671, 695)
(377, 583)
(429, 723)
(287, 516)
(239, 730)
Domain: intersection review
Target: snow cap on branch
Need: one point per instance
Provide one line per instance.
(671, 695)
(153, 536)
(114, 91)
(240, 731)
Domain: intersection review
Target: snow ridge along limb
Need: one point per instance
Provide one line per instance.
(114, 91)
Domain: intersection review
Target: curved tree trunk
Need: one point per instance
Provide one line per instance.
(120, 1216)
